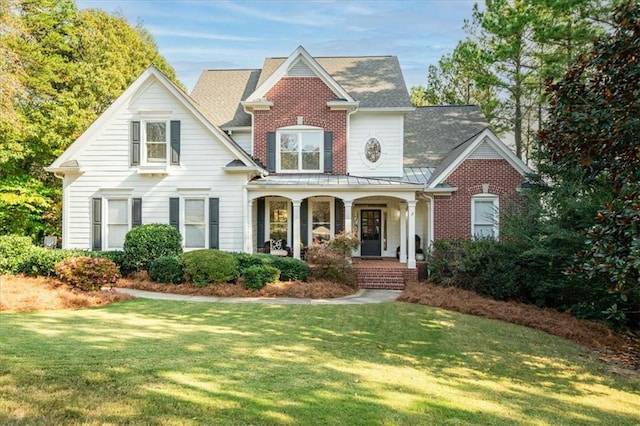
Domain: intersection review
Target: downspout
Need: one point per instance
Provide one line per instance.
(65, 232)
(431, 220)
(349, 113)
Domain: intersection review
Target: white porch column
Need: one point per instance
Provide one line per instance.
(296, 228)
(411, 256)
(403, 232)
(347, 216)
(248, 226)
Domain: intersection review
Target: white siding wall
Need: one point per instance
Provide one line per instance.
(485, 151)
(105, 160)
(388, 129)
(244, 140)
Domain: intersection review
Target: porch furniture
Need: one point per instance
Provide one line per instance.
(278, 248)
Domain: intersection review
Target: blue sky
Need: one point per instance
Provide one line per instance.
(206, 34)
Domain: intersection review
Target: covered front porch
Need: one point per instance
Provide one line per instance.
(300, 211)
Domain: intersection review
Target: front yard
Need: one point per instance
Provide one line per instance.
(154, 362)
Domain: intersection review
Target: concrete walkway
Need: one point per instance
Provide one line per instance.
(361, 297)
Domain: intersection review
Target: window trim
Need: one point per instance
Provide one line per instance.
(496, 206)
(300, 130)
(267, 217)
(144, 135)
(183, 220)
(106, 199)
(332, 216)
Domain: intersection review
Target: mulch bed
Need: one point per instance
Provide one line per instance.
(304, 290)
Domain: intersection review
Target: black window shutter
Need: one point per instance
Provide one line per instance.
(136, 212)
(135, 143)
(260, 213)
(174, 212)
(271, 151)
(304, 222)
(328, 152)
(214, 223)
(96, 222)
(339, 209)
(175, 142)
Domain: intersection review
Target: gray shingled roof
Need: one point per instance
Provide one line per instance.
(375, 81)
(432, 133)
(219, 93)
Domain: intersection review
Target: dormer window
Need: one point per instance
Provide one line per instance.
(300, 150)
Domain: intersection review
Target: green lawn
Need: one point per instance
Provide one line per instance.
(174, 363)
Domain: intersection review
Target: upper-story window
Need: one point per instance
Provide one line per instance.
(299, 150)
(156, 141)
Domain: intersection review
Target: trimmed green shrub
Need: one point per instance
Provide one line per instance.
(87, 273)
(290, 269)
(13, 250)
(204, 267)
(145, 243)
(257, 276)
(41, 262)
(246, 259)
(166, 269)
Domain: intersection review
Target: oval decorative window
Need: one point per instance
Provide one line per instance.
(372, 150)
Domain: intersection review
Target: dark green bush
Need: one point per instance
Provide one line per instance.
(13, 250)
(87, 273)
(204, 267)
(291, 269)
(246, 259)
(167, 269)
(145, 243)
(257, 276)
(41, 262)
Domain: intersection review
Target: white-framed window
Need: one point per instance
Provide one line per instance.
(484, 216)
(195, 229)
(156, 141)
(321, 218)
(299, 149)
(117, 221)
(277, 227)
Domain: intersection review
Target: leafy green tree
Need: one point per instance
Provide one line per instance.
(60, 69)
(512, 47)
(592, 132)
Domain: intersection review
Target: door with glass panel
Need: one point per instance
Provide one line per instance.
(370, 232)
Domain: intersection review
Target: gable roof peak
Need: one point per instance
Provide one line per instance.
(299, 54)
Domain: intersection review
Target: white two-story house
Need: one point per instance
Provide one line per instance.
(294, 152)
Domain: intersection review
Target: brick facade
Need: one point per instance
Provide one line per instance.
(304, 97)
(452, 214)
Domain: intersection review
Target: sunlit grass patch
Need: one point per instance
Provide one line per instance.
(158, 362)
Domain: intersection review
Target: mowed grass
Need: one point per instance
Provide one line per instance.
(176, 363)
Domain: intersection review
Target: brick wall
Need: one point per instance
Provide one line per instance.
(452, 214)
(306, 97)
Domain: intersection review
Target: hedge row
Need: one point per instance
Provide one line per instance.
(153, 248)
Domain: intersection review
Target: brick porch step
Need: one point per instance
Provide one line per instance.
(387, 279)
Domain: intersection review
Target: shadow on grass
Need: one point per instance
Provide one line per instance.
(154, 362)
